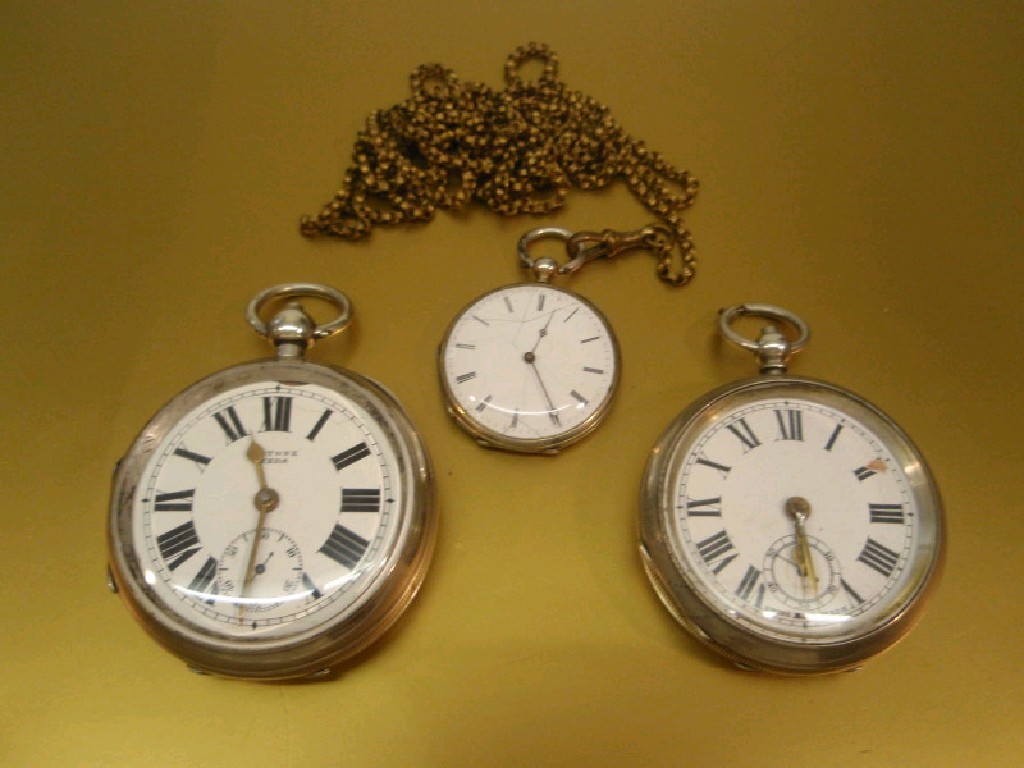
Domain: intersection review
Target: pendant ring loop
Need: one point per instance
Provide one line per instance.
(769, 311)
(311, 290)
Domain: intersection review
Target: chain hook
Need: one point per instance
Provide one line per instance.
(585, 247)
(606, 244)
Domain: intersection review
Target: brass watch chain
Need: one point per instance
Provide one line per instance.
(518, 151)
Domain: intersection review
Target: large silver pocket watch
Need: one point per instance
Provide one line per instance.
(786, 522)
(277, 516)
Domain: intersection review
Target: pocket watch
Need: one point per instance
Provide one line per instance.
(529, 367)
(786, 522)
(277, 516)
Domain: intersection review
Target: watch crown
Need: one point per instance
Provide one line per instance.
(544, 269)
(773, 349)
(292, 330)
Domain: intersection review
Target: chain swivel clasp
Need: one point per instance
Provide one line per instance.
(606, 244)
(585, 247)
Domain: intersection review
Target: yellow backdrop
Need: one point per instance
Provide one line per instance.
(860, 164)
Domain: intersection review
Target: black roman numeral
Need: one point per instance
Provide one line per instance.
(713, 551)
(714, 465)
(345, 546)
(747, 583)
(704, 507)
(745, 434)
(228, 421)
(176, 501)
(179, 543)
(791, 425)
(197, 458)
(886, 513)
(360, 500)
(308, 583)
(204, 578)
(833, 437)
(277, 414)
(851, 591)
(319, 424)
(350, 456)
(462, 378)
(879, 557)
(863, 473)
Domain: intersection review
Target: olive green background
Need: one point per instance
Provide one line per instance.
(860, 163)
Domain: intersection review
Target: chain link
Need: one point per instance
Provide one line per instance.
(518, 150)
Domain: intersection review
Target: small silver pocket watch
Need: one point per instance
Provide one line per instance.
(786, 522)
(275, 517)
(529, 367)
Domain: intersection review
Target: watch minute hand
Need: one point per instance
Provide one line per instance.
(799, 509)
(265, 500)
(531, 360)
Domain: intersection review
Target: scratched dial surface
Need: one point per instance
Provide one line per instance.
(529, 368)
(335, 487)
(733, 532)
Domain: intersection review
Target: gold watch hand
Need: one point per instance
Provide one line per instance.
(255, 454)
(265, 500)
(799, 509)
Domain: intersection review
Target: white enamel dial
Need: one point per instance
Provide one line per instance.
(529, 368)
(732, 530)
(197, 522)
(790, 524)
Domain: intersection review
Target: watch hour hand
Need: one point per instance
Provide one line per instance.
(543, 332)
(799, 509)
(265, 500)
